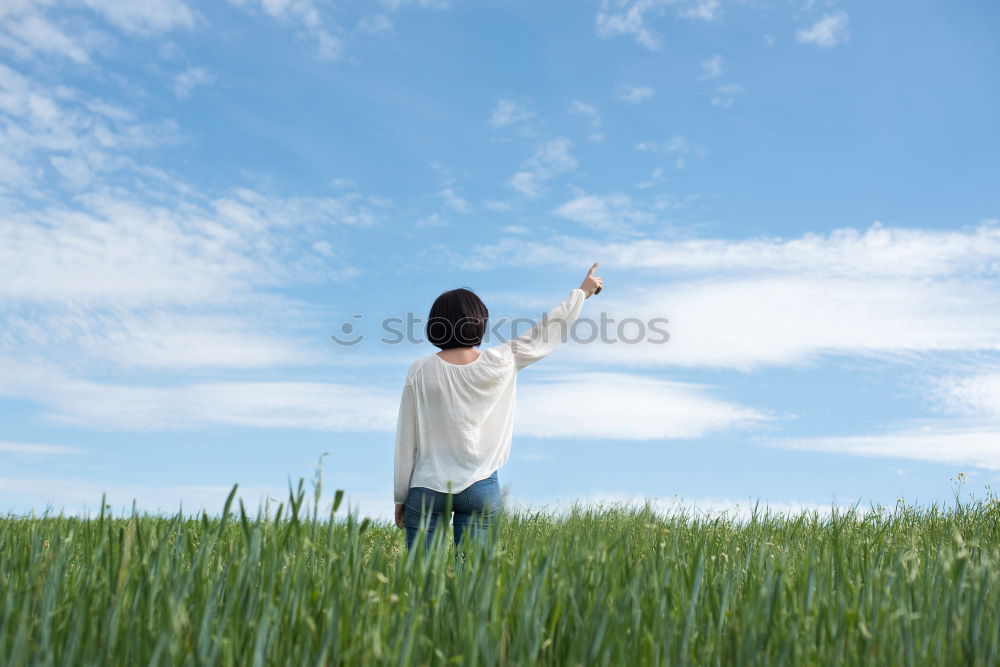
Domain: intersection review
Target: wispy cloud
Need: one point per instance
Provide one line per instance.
(936, 443)
(36, 449)
(550, 159)
(25, 31)
(630, 18)
(205, 252)
(425, 4)
(678, 146)
(706, 10)
(63, 135)
(634, 94)
(376, 24)
(190, 79)
(508, 113)
(432, 220)
(318, 406)
(969, 434)
(827, 32)
(81, 285)
(976, 395)
(590, 112)
(632, 407)
(876, 252)
(305, 17)
(120, 273)
(725, 96)
(160, 338)
(713, 67)
(607, 213)
(144, 18)
(453, 201)
(888, 293)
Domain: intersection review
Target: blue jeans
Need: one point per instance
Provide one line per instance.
(476, 508)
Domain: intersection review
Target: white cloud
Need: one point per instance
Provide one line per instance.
(59, 134)
(319, 406)
(30, 33)
(146, 17)
(123, 278)
(969, 437)
(507, 113)
(190, 79)
(453, 201)
(424, 4)
(628, 17)
(706, 10)
(377, 24)
(589, 111)
(724, 96)
(975, 395)
(655, 176)
(713, 67)
(549, 160)
(634, 94)
(873, 253)
(749, 322)
(304, 15)
(497, 205)
(895, 293)
(623, 406)
(41, 27)
(979, 447)
(827, 32)
(343, 184)
(204, 254)
(36, 449)
(631, 407)
(677, 145)
(606, 213)
(159, 338)
(515, 229)
(432, 220)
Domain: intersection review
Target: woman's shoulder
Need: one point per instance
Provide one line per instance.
(500, 353)
(416, 366)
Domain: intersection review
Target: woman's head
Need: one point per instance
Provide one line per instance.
(457, 319)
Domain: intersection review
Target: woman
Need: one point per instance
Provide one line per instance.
(457, 412)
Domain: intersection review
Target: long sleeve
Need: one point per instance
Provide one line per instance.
(406, 444)
(547, 334)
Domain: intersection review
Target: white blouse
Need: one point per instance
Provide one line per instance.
(456, 420)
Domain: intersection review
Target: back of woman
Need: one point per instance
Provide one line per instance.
(456, 414)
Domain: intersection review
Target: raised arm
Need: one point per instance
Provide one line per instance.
(406, 444)
(547, 334)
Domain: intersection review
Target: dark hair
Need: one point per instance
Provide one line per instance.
(457, 319)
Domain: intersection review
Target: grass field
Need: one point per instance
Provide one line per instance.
(608, 586)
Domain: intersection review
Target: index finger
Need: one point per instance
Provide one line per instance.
(591, 272)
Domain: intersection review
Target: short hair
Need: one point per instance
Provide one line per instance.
(457, 319)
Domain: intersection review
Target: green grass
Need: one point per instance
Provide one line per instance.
(610, 586)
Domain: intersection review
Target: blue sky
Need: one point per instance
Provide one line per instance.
(193, 198)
